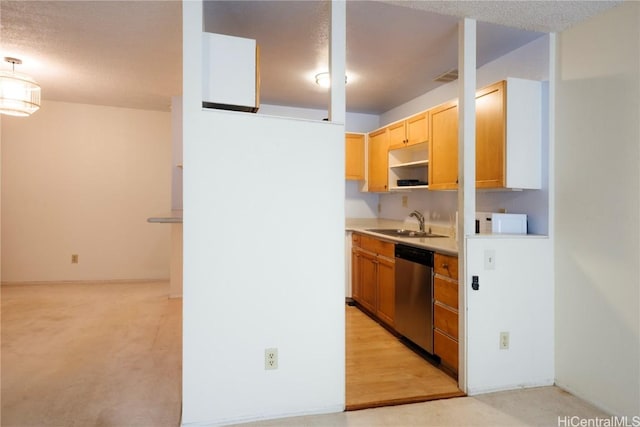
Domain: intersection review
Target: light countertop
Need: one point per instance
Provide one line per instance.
(447, 245)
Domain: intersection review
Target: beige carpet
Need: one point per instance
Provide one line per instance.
(542, 406)
(91, 355)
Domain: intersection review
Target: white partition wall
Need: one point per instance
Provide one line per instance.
(514, 297)
(263, 259)
(598, 210)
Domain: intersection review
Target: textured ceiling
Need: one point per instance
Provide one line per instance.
(538, 15)
(128, 53)
(393, 53)
(119, 53)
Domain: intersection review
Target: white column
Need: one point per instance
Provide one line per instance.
(337, 61)
(466, 169)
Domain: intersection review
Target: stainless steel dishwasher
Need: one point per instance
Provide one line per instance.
(414, 295)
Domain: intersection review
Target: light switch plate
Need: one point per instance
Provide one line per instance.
(489, 259)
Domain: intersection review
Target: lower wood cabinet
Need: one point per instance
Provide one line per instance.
(373, 280)
(446, 348)
(368, 280)
(386, 296)
(445, 310)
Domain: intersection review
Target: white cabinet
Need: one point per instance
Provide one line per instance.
(523, 134)
(230, 73)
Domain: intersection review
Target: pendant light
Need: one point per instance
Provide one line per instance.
(19, 93)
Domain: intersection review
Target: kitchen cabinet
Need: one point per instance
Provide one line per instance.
(490, 136)
(230, 73)
(374, 276)
(354, 156)
(445, 310)
(386, 290)
(509, 117)
(355, 266)
(368, 280)
(443, 147)
(508, 138)
(378, 161)
(407, 132)
(409, 163)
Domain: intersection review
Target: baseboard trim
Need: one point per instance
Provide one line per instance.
(88, 282)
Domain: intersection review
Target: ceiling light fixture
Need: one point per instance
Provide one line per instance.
(324, 79)
(19, 93)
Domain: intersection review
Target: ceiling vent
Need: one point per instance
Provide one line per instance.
(447, 77)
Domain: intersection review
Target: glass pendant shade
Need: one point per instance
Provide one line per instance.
(19, 94)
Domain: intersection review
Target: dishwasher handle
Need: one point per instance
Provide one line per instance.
(417, 255)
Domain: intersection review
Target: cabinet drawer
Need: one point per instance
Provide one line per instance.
(446, 320)
(445, 291)
(376, 246)
(446, 349)
(355, 239)
(446, 265)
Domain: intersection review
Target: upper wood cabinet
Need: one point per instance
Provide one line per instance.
(354, 156)
(508, 138)
(378, 160)
(443, 147)
(414, 130)
(490, 136)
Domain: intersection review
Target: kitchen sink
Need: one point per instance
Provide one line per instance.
(404, 233)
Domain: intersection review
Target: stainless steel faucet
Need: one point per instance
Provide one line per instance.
(420, 219)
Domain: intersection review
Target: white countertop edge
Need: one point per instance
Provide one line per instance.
(507, 236)
(165, 220)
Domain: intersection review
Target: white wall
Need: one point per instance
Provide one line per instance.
(528, 62)
(598, 210)
(515, 297)
(176, 153)
(263, 258)
(355, 122)
(358, 204)
(82, 179)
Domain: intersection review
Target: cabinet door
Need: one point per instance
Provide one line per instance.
(368, 279)
(355, 274)
(378, 160)
(397, 135)
(386, 301)
(354, 156)
(418, 128)
(446, 348)
(443, 147)
(490, 136)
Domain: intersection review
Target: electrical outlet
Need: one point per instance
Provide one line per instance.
(405, 201)
(379, 207)
(270, 358)
(74, 258)
(504, 340)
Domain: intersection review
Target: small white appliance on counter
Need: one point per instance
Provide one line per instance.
(230, 73)
(501, 223)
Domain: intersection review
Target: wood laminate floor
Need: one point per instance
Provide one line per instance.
(382, 371)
